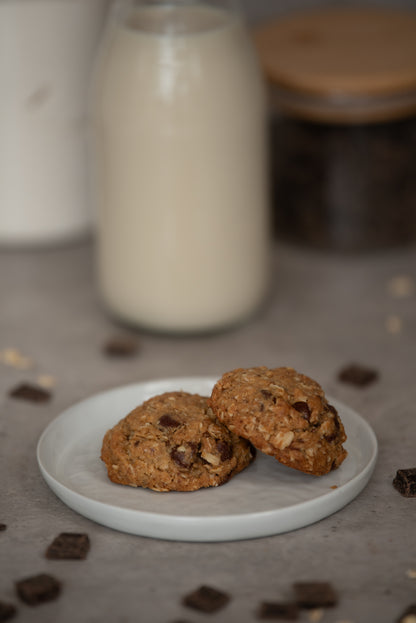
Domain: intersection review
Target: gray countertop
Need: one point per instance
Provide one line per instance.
(325, 311)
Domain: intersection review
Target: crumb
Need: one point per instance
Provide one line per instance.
(393, 324)
(46, 381)
(315, 615)
(401, 286)
(411, 573)
(13, 358)
(121, 346)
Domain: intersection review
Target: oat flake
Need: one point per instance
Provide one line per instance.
(401, 287)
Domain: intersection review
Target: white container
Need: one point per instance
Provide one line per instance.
(46, 53)
(181, 167)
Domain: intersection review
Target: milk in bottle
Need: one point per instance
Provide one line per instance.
(180, 159)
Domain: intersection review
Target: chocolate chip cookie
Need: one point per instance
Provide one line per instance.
(282, 413)
(173, 442)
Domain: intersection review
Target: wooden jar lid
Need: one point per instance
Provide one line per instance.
(350, 64)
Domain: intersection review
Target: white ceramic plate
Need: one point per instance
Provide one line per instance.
(266, 498)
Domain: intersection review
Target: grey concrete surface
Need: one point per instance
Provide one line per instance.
(324, 312)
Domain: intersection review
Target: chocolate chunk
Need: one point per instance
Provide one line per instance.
(121, 346)
(2, 527)
(69, 546)
(303, 409)
(38, 589)
(330, 437)
(225, 450)
(315, 594)
(31, 393)
(7, 611)
(405, 482)
(358, 375)
(167, 421)
(332, 409)
(184, 455)
(206, 599)
(266, 393)
(274, 610)
(408, 616)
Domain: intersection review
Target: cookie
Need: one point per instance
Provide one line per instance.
(173, 442)
(282, 413)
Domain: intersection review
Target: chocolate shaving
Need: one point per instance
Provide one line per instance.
(31, 393)
(358, 375)
(121, 346)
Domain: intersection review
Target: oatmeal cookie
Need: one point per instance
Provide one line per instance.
(173, 442)
(282, 413)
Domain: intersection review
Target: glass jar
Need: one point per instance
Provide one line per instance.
(180, 159)
(47, 50)
(343, 126)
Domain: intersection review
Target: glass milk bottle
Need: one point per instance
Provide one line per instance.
(180, 159)
(47, 48)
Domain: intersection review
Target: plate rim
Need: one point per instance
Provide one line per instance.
(180, 522)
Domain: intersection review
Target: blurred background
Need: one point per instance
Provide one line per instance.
(258, 10)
